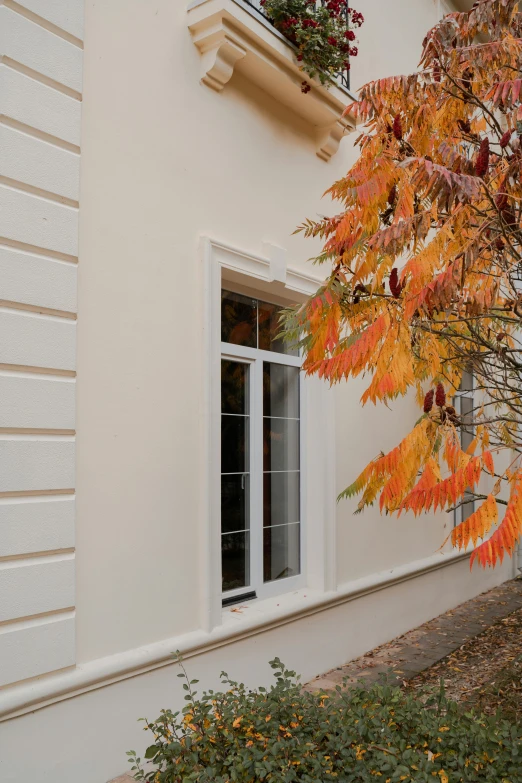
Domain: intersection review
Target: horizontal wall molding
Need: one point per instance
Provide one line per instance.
(35, 340)
(38, 281)
(36, 524)
(36, 463)
(37, 250)
(68, 26)
(33, 369)
(29, 493)
(35, 104)
(42, 646)
(30, 162)
(30, 218)
(30, 696)
(9, 122)
(28, 308)
(43, 55)
(34, 585)
(45, 194)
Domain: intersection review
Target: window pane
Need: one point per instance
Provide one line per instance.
(234, 444)
(280, 444)
(280, 498)
(235, 560)
(238, 319)
(234, 387)
(235, 499)
(281, 552)
(270, 328)
(466, 382)
(280, 390)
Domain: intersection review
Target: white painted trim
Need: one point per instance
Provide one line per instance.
(218, 256)
(30, 696)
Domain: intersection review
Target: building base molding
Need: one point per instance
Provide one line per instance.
(257, 618)
(230, 35)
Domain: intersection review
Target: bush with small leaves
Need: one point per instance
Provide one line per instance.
(362, 735)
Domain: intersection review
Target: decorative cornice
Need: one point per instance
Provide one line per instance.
(229, 35)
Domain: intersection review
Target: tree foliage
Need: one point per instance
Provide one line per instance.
(426, 272)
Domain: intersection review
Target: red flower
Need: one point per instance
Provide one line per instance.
(349, 35)
(331, 40)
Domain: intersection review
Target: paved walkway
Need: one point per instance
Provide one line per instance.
(421, 648)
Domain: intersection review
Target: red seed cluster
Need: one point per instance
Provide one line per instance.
(395, 286)
(504, 140)
(501, 201)
(305, 87)
(440, 395)
(397, 127)
(482, 163)
(428, 401)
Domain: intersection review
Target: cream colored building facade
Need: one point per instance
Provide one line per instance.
(151, 156)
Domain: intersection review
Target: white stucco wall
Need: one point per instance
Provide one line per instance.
(40, 100)
(165, 160)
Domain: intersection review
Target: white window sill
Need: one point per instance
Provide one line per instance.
(260, 610)
(230, 35)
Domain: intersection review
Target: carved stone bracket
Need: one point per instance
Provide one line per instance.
(329, 141)
(221, 50)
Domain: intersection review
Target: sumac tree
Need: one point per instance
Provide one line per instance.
(426, 270)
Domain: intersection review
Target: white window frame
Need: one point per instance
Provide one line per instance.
(255, 358)
(268, 278)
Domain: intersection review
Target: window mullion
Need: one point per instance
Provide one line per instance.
(256, 467)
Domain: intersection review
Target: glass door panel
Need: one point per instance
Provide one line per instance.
(281, 472)
(235, 475)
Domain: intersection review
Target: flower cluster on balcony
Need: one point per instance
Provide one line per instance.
(322, 32)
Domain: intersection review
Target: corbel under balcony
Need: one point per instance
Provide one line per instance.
(230, 36)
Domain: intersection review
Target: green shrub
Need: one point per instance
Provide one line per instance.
(282, 734)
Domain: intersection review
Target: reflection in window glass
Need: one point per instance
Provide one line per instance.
(270, 328)
(238, 319)
(280, 391)
(281, 551)
(250, 322)
(235, 560)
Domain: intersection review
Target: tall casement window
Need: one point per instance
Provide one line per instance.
(464, 404)
(261, 524)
